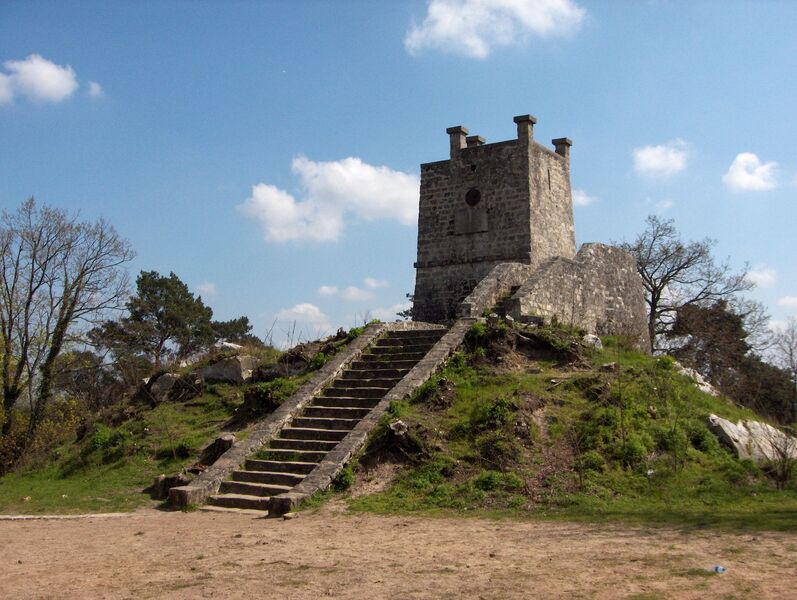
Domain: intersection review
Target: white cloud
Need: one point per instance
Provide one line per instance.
(663, 160)
(581, 198)
(207, 288)
(95, 90)
(350, 294)
(327, 290)
(37, 79)
(762, 275)
(389, 313)
(305, 312)
(664, 205)
(472, 27)
(355, 294)
(748, 174)
(302, 322)
(788, 301)
(332, 191)
(372, 283)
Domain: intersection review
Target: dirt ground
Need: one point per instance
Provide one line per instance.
(333, 554)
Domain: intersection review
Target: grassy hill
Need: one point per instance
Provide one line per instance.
(523, 423)
(533, 423)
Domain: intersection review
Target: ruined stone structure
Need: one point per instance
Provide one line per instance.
(497, 219)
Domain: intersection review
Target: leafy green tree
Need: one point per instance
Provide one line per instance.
(715, 341)
(236, 331)
(164, 319)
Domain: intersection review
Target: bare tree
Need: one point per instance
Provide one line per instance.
(785, 350)
(56, 273)
(677, 273)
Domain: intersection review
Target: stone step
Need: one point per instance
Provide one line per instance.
(268, 477)
(398, 356)
(399, 341)
(334, 412)
(286, 466)
(354, 392)
(252, 489)
(283, 444)
(298, 433)
(239, 501)
(317, 423)
(399, 349)
(280, 454)
(347, 402)
(367, 374)
(362, 365)
(435, 334)
(385, 384)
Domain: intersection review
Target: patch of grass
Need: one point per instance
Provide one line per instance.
(109, 468)
(629, 445)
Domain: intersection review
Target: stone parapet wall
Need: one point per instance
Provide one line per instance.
(599, 290)
(496, 284)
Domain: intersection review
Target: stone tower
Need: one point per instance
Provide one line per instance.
(506, 202)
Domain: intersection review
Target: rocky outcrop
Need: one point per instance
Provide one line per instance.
(235, 369)
(700, 382)
(161, 386)
(754, 440)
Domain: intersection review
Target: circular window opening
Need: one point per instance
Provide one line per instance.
(473, 196)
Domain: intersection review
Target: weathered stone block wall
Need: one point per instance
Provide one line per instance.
(497, 283)
(488, 204)
(599, 290)
(551, 219)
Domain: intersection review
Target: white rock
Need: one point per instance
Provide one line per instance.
(700, 381)
(757, 441)
(592, 340)
(236, 369)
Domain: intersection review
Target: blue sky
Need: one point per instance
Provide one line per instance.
(268, 152)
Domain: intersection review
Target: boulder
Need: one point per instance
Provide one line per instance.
(757, 441)
(700, 381)
(235, 369)
(592, 340)
(159, 490)
(226, 347)
(161, 386)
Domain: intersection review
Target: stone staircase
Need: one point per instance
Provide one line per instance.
(304, 442)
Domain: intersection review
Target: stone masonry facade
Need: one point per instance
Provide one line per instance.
(497, 217)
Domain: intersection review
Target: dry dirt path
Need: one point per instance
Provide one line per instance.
(331, 554)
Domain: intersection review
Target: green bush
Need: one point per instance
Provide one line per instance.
(111, 442)
(344, 479)
(591, 460)
(318, 361)
(490, 414)
(427, 391)
(488, 480)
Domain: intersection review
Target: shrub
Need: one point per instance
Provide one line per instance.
(344, 479)
(111, 442)
(591, 460)
(318, 361)
(488, 481)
